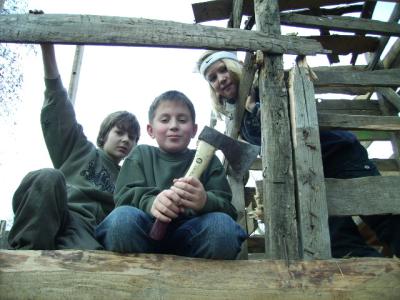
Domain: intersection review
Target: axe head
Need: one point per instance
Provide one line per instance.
(239, 155)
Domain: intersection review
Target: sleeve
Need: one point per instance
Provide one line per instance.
(131, 187)
(61, 131)
(219, 195)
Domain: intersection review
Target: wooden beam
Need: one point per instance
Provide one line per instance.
(371, 195)
(221, 9)
(386, 165)
(75, 274)
(353, 122)
(378, 78)
(347, 90)
(75, 73)
(392, 58)
(106, 30)
(365, 135)
(391, 96)
(347, 44)
(374, 60)
(340, 23)
(349, 107)
(278, 182)
(311, 207)
(367, 13)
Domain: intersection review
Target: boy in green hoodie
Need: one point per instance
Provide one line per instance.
(152, 185)
(60, 208)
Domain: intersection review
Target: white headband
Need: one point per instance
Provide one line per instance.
(213, 58)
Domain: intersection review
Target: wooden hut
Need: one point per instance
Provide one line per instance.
(293, 259)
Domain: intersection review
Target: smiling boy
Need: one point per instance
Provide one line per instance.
(60, 208)
(151, 185)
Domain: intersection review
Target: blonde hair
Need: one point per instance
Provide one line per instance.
(218, 103)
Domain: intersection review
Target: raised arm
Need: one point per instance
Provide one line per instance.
(49, 61)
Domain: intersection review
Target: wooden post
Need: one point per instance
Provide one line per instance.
(312, 209)
(281, 240)
(76, 70)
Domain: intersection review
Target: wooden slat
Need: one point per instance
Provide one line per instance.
(106, 30)
(391, 96)
(387, 165)
(311, 205)
(347, 44)
(392, 58)
(221, 9)
(347, 90)
(384, 165)
(101, 275)
(374, 60)
(75, 73)
(278, 184)
(378, 78)
(340, 23)
(363, 196)
(349, 107)
(365, 135)
(367, 13)
(353, 122)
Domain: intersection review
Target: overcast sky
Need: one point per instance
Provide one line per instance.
(112, 78)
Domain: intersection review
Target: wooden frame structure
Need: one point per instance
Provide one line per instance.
(297, 202)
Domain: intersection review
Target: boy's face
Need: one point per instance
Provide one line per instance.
(220, 79)
(172, 126)
(118, 144)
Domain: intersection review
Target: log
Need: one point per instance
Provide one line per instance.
(75, 274)
(122, 31)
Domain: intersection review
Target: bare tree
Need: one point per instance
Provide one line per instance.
(11, 75)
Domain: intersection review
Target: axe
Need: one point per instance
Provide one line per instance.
(239, 155)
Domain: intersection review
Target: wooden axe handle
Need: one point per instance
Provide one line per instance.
(202, 158)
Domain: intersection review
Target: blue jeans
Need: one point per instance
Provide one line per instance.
(213, 235)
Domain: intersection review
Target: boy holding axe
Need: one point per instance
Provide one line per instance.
(152, 185)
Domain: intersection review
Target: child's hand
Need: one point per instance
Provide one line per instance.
(250, 104)
(191, 192)
(166, 206)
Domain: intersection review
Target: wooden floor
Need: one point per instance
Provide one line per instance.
(74, 274)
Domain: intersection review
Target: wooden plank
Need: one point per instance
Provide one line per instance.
(106, 30)
(312, 211)
(340, 23)
(363, 135)
(221, 9)
(75, 73)
(391, 96)
(392, 58)
(384, 165)
(374, 60)
(350, 107)
(347, 44)
(76, 274)
(347, 90)
(278, 182)
(353, 122)
(363, 196)
(367, 13)
(381, 78)
(232, 130)
(387, 165)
